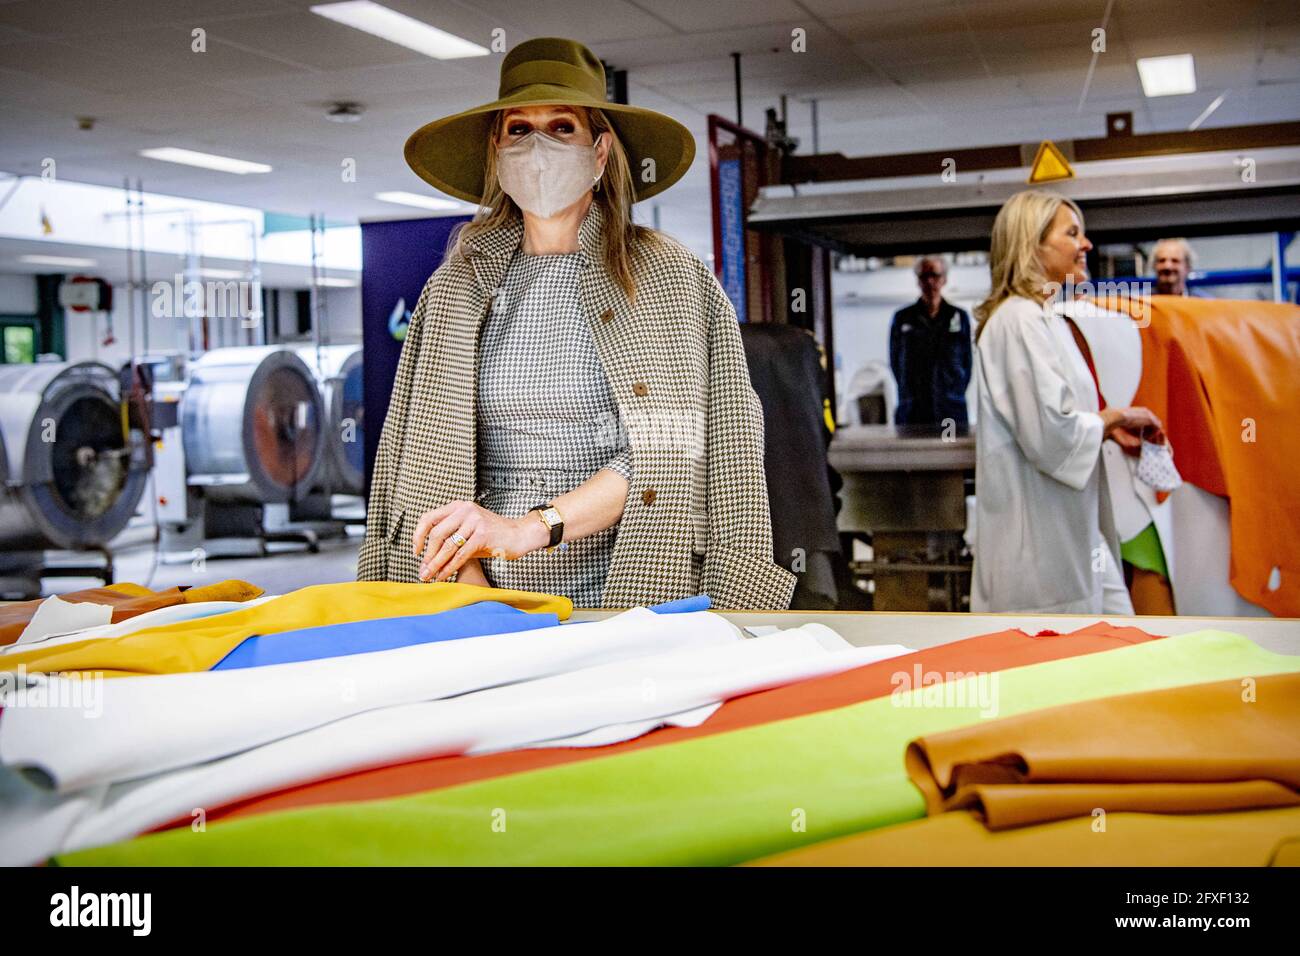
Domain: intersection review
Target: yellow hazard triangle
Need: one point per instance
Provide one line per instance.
(1050, 164)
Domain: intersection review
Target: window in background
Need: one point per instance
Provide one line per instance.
(17, 343)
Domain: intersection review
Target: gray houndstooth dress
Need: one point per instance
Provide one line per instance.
(547, 420)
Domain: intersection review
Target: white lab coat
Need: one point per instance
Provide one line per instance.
(1044, 535)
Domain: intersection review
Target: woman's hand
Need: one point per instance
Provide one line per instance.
(1128, 426)
(471, 572)
(486, 534)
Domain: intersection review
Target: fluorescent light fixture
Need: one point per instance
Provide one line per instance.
(1167, 75)
(70, 262)
(1205, 114)
(398, 28)
(337, 282)
(423, 202)
(223, 273)
(188, 157)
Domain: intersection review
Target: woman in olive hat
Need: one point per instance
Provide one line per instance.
(572, 412)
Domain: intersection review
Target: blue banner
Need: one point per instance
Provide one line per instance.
(397, 258)
(731, 212)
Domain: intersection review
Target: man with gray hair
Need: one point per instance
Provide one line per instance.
(1172, 260)
(930, 353)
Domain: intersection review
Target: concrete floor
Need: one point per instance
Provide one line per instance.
(286, 568)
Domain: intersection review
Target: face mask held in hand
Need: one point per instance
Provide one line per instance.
(543, 175)
(1156, 466)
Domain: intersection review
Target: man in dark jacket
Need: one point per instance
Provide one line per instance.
(930, 353)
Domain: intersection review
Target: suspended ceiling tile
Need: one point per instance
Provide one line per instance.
(100, 18)
(694, 16)
(607, 20)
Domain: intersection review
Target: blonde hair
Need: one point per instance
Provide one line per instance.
(625, 242)
(1014, 264)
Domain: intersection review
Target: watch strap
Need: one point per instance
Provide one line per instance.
(556, 529)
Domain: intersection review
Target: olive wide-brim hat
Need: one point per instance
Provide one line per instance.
(451, 153)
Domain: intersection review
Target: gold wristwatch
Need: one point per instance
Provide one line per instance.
(554, 522)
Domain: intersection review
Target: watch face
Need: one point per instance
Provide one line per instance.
(551, 515)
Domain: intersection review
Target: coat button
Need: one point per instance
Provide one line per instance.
(639, 388)
(648, 496)
(607, 315)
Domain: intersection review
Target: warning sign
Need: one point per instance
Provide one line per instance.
(1049, 165)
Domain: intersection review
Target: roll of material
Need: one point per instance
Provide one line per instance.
(338, 375)
(592, 706)
(145, 725)
(719, 799)
(253, 422)
(71, 473)
(157, 618)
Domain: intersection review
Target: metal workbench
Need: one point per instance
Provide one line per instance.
(905, 488)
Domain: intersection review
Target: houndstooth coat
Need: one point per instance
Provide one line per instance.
(696, 517)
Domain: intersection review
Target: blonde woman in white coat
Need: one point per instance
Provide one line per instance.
(1045, 536)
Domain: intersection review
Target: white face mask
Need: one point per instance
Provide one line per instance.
(543, 175)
